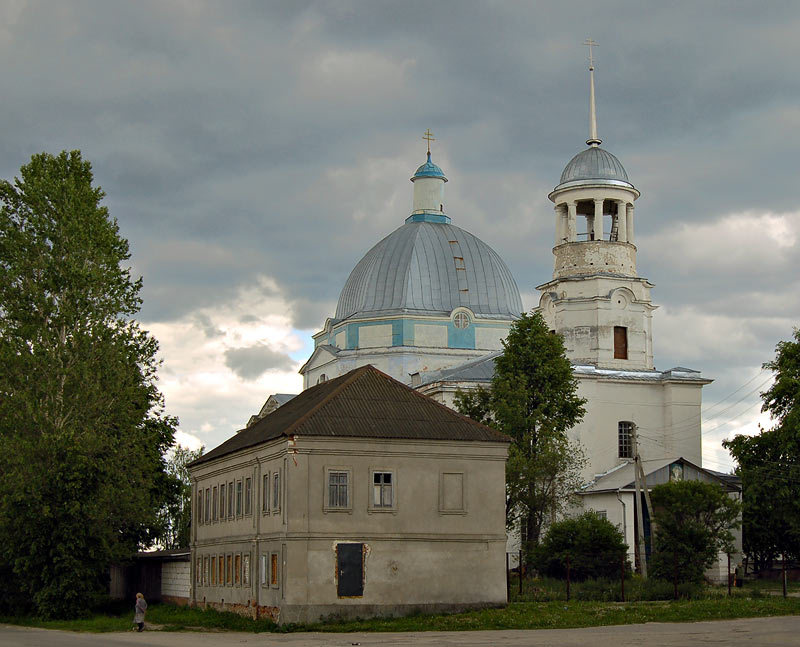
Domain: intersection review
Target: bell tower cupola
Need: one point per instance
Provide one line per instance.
(596, 299)
(594, 208)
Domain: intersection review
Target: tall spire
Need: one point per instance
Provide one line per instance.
(593, 140)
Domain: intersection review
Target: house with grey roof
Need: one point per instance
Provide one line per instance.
(357, 497)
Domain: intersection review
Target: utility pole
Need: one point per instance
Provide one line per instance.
(639, 520)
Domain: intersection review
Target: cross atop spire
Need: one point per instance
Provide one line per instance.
(428, 136)
(593, 140)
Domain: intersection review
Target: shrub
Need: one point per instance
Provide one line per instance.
(595, 548)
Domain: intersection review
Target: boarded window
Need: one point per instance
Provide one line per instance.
(273, 569)
(246, 569)
(237, 569)
(198, 570)
(451, 496)
(625, 436)
(206, 575)
(221, 579)
(213, 570)
(229, 569)
(620, 342)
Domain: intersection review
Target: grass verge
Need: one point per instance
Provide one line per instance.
(517, 615)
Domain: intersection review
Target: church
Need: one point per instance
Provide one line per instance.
(430, 303)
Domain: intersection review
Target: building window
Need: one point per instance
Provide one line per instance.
(206, 578)
(625, 435)
(230, 499)
(338, 491)
(214, 503)
(246, 569)
(273, 570)
(248, 496)
(207, 512)
(620, 342)
(264, 570)
(451, 493)
(382, 490)
(276, 491)
(602, 514)
(229, 569)
(237, 569)
(222, 502)
(221, 579)
(265, 494)
(213, 570)
(238, 498)
(198, 570)
(461, 320)
(199, 506)
(322, 378)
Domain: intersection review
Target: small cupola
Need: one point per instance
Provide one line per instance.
(428, 182)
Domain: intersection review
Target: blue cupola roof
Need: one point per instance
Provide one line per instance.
(429, 169)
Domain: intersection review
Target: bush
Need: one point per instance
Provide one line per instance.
(595, 548)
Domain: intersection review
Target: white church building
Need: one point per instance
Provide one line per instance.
(430, 304)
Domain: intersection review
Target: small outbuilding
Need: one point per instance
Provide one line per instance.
(358, 497)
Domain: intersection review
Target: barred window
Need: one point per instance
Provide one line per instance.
(625, 434)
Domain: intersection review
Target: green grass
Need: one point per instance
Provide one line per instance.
(551, 614)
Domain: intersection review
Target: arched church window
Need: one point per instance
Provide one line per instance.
(322, 378)
(625, 438)
(461, 320)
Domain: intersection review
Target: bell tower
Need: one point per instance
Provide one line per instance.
(596, 300)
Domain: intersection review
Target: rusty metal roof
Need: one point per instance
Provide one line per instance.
(364, 403)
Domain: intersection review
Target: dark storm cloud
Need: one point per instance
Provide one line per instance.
(252, 362)
(276, 139)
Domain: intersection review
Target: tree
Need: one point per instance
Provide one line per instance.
(533, 399)
(694, 521)
(82, 427)
(176, 514)
(769, 465)
(594, 546)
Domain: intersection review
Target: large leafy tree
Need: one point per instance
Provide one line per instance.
(82, 427)
(533, 398)
(176, 514)
(769, 465)
(695, 519)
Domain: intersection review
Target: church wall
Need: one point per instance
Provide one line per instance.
(374, 336)
(490, 338)
(340, 340)
(652, 407)
(430, 335)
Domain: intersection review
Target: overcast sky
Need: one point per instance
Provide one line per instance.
(253, 152)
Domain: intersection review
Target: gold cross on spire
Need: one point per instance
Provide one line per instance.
(428, 136)
(590, 43)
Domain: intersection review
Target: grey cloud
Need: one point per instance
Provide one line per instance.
(203, 321)
(251, 362)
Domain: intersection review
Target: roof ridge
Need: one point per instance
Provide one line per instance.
(429, 399)
(357, 373)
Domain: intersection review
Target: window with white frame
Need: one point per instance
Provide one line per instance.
(625, 438)
(382, 489)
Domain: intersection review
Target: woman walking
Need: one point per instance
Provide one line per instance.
(140, 608)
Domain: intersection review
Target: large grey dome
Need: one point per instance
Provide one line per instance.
(596, 166)
(430, 268)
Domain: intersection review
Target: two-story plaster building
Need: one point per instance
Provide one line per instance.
(358, 497)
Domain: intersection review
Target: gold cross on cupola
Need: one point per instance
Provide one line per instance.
(428, 136)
